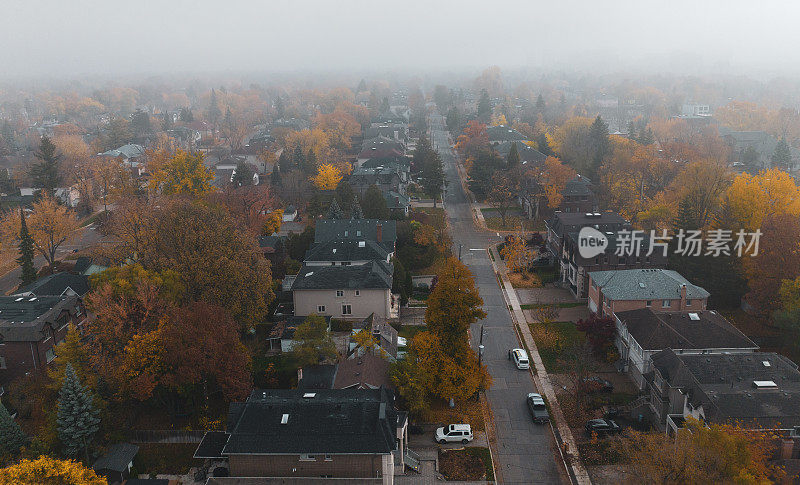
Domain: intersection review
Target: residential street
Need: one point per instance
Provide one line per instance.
(526, 450)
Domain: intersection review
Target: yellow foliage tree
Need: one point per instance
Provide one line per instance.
(752, 198)
(327, 178)
(273, 222)
(49, 471)
(49, 224)
(183, 174)
(516, 254)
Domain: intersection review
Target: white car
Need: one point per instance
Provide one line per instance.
(454, 433)
(520, 358)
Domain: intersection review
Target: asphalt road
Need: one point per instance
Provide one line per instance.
(86, 237)
(525, 450)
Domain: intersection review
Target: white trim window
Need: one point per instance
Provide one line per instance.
(666, 303)
(320, 308)
(339, 293)
(347, 309)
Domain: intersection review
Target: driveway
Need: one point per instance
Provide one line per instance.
(524, 452)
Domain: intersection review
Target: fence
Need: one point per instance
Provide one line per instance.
(166, 436)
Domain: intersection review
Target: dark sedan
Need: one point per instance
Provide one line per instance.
(603, 427)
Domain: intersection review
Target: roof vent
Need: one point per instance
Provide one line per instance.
(766, 363)
(309, 395)
(334, 250)
(694, 316)
(285, 419)
(765, 384)
(642, 285)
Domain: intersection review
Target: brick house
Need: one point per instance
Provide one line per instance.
(325, 433)
(657, 289)
(30, 328)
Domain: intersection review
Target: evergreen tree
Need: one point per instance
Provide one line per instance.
(186, 115)
(398, 281)
(646, 137)
(334, 211)
(166, 122)
(275, 177)
(598, 134)
(298, 159)
(283, 162)
(540, 106)
(385, 108)
(782, 156)
(453, 119)
(243, 174)
(11, 436)
(213, 112)
(140, 123)
(484, 106)
(345, 195)
(25, 259)
(631, 130)
(78, 419)
(6, 184)
(356, 212)
(362, 86)
(749, 158)
(544, 146)
(513, 156)
(280, 108)
(309, 166)
(374, 204)
(45, 173)
(431, 177)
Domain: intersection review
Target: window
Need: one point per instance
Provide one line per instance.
(688, 302)
(50, 355)
(666, 303)
(321, 309)
(346, 309)
(305, 457)
(339, 293)
(328, 457)
(648, 303)
(358, 292)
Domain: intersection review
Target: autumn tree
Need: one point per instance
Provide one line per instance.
(253, 206)
(546, 313)
(78, 419)
(503, 194)
(312, 344)
(49, 225)
(49, 471)
(481, 170)
(327, 178)
(752, 198)
(75, 352)
(184, 174)
(574, 144)
(453, 306)
(339, 126)
(45, 173)
(516, 254)
(700, 453)
(473, 141)
(599, 331)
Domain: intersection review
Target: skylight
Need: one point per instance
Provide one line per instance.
(309, 395)
(765, 384)
(362, 244)
(694, 316)
(309, 274)
(766, 363)
(285, 419)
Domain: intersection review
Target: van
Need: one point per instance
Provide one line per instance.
(520, 358)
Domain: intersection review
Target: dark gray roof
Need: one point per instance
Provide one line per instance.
(319, 376)
(347, 250)
(335, 421)
(565, 222)
(578, 186)
(503, 133)
(372, 275)
(82, 264)
(22, 319)
(117, 457)
(57, 284)
(676, 330)
(402, 163)
(723, 384)
(395, 200)
(527, 154)
(645, 284)
(211, 445)
(330, 229)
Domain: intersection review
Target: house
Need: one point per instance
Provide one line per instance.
(568, 222)
(281, 334)
(388, 178)
(401, 163)
(316, 377)
(85, 265)
(528, 155)
(127, 153)
(116, 463)
(501, 133)
(578, 196)
(576, 267)
(346, 252)
(58, 284)
(30, 329)
(380, 148)
(657, 289)
(289, 214)
(368, 371)
(397, 202)
(349, 292)
(753, 390)
(762, 143)
(328, 433)
(383, 232)
(225, 171)
(642, 333)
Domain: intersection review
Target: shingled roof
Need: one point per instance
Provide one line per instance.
(683, 330)
(57, 284)
(347, 250)
(372, 275)
(330, 229)
(645, 284)
(23, 319)
(294, 421)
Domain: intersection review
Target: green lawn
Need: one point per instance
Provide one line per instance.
(165, 458)
(408, 331)
(552, 339)
(571, 304)
(514, 217)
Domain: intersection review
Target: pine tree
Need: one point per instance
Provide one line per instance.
(540, 106)
(598, 133)
(298, 159)
(513, 156)
(78, 419)
(334, 211)
(213, 113)
(398, 281)
(11, 436)
(25, 259)
(283, 162)
(374, 204)
(362, 86)
(45, 173)
(356, 212)
(646, 137)
(484, 106)
(275, 177)
(543, 145)
(186, 115)
(310, 163)
(782, 156)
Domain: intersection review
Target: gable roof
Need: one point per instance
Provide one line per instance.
(336, 421)
(645, 284)
(677, 330)
(501, 133)
(57, 284)
(329, 229)
(117, 457)
(396, 200)
(23, 319)
(578, 186)
(363, 372)
(318, 376)
(126, 151)
(527, 154)
(565, 222)
(372, 275)
(347, 250)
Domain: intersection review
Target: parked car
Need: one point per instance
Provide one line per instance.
(520, 358)
(602, 426)
(538, 408)
(598, 384)
(454, 433)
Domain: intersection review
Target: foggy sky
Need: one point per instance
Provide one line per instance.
(76, 38)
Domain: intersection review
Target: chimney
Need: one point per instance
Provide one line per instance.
(683, 297)
(787, 449)
(379, 232)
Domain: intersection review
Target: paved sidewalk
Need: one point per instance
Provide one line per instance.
(571, 457)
